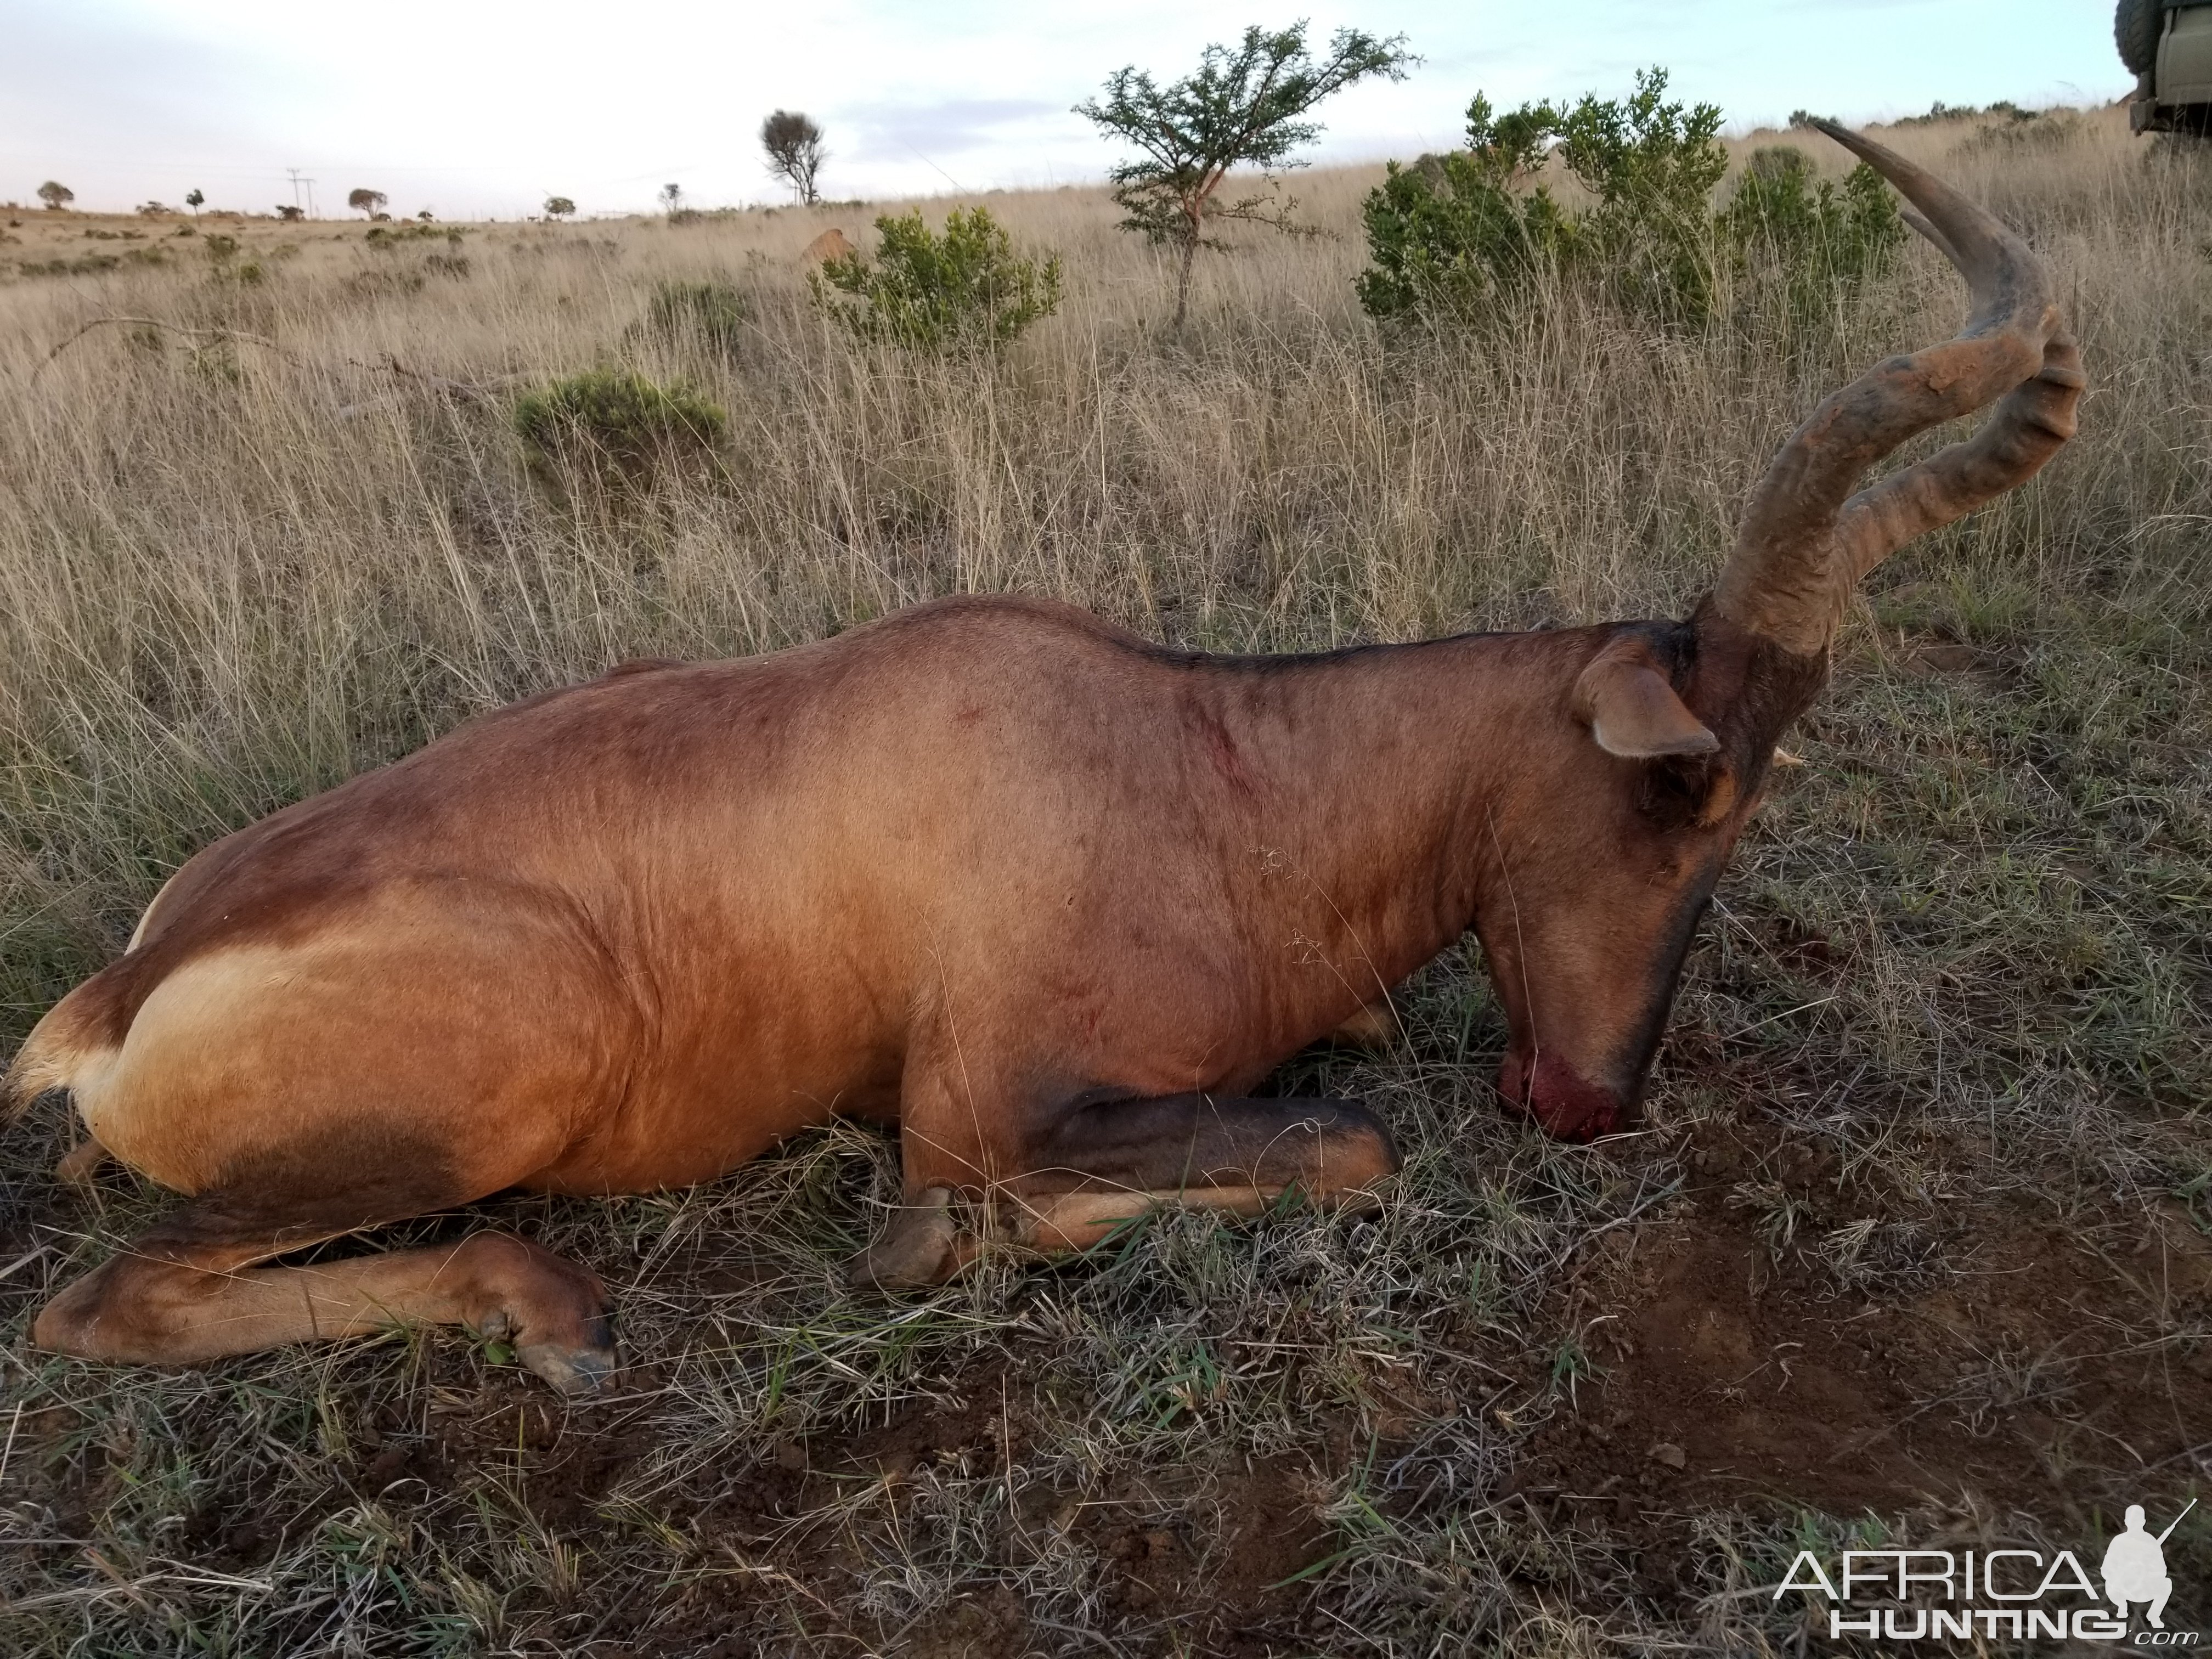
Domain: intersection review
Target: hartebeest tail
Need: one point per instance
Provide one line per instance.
(1052, 899)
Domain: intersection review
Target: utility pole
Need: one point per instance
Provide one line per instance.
(309, 206)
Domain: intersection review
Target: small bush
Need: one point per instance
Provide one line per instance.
(386, 237)
(614, 420)
(1450, 234)
(380, 281)
(711, 314)
(1458, 236)
(87, 264)
(1652, 165)
(964, 291)
(222, 252)
(1469, 235)
(1939, 111)
(1806, 234)
(2024, 130)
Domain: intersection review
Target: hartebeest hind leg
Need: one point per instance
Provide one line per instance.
(81, 1164)
(188, 1291)
(1104, 1163)
(439, 1047)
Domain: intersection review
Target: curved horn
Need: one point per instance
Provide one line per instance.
(1803, 546)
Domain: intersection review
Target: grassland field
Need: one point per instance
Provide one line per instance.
(1913, 1245)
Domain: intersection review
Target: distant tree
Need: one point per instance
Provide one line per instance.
(154, 209)
(195, 200)
(672, 197)
(559, 207)
(291, 212)
(795, 149)
(56, 195)
(424, 215)
(366, 201)
(1241, 108)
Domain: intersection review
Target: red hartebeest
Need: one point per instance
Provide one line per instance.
(1052, 897)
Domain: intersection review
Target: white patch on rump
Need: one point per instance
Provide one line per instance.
(145, 1101)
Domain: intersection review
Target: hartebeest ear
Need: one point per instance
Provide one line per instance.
(1631, 709)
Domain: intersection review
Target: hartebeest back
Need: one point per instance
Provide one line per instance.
(1052, 899)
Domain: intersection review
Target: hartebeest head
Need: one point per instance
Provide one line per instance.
(1589, 910)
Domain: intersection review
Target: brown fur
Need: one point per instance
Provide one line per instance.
(831, 244)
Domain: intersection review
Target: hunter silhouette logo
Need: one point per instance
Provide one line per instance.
(2019, 1594)
(2135, 1566)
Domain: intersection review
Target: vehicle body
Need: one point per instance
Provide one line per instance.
(2168, 45)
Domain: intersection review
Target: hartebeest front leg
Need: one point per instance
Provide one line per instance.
(1104, 1162)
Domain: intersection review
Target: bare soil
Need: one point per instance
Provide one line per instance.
(1730, 1377)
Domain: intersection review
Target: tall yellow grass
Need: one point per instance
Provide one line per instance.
(289, 534)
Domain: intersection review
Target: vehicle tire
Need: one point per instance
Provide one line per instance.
(2136, 27)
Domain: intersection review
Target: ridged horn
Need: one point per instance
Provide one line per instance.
(1806, 540)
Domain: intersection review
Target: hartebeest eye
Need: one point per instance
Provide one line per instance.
(1683, 792)
(1631, 708)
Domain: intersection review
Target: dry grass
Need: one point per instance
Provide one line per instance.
(1948, 1025)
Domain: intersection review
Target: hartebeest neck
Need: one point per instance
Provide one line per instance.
(1377, 789)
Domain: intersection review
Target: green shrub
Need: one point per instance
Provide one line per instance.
(1451, 234)
(222, 252)
(711, 314)
(1460, 235)
(1652, 166)
(614, 420)
(391, 236)
(964, 291)
(1466, 235)
(88, 264)
(1806, 234)
(378, 281)
(2024, 130)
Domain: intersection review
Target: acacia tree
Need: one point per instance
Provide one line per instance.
(1241, 108)
(370, 202)
(795, 149)
(194, 200)
(672, 197)
(559, 207)
(56, 195)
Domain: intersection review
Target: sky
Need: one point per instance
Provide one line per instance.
(481, 108)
